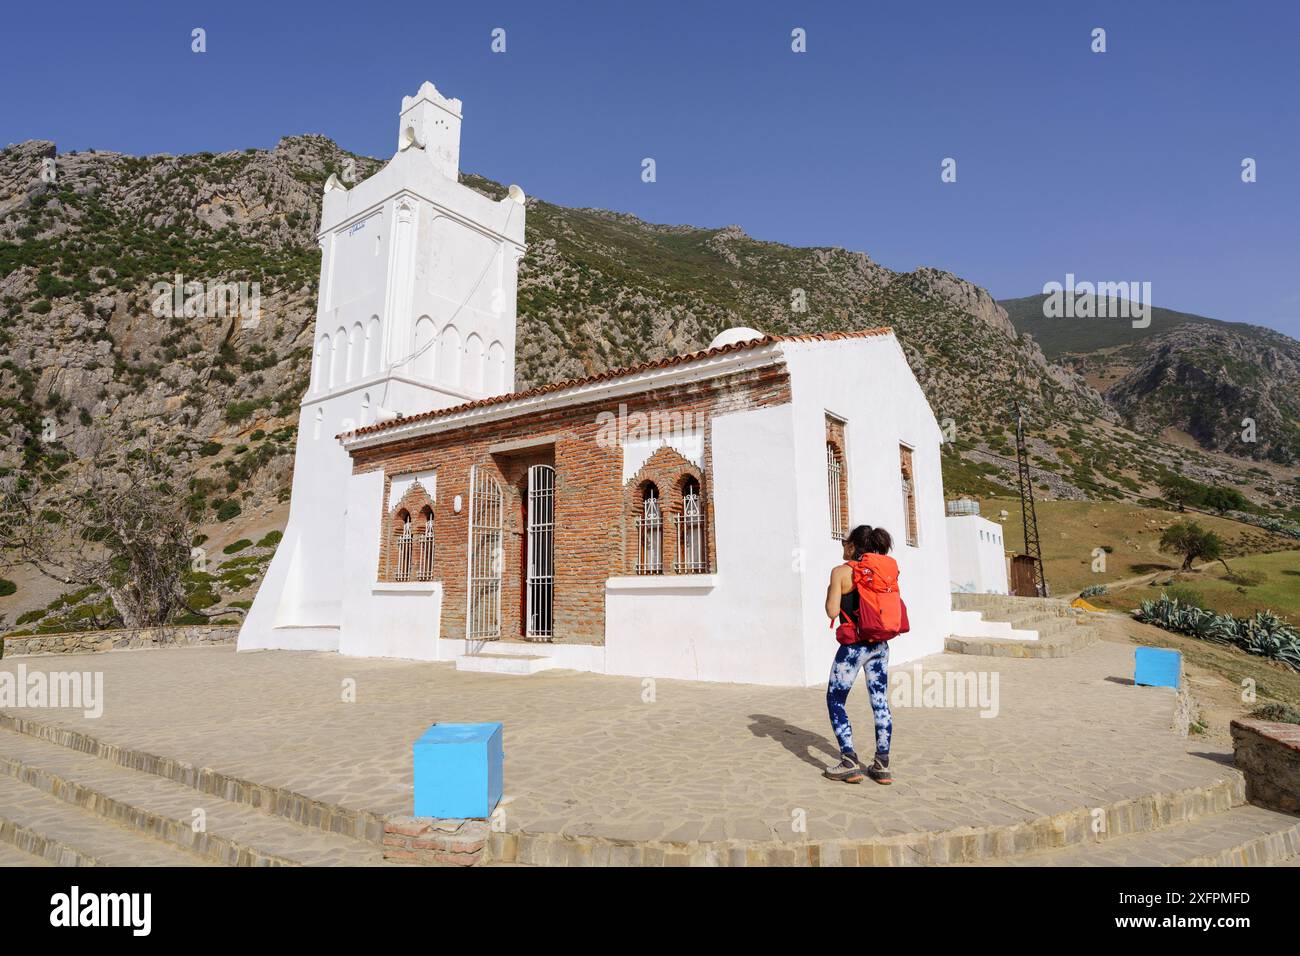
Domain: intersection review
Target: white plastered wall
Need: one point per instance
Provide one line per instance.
(382, 619)
(868, 384)
(740, 624)
(976, 555)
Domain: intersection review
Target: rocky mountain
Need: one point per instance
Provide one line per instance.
(1228, 386)
(84, 238)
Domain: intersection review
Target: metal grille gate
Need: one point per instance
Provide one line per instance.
(540, 586)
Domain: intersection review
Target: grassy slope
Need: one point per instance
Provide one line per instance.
(1070, 530)
(1278, 587)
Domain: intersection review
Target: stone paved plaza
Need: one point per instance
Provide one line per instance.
(611, 758)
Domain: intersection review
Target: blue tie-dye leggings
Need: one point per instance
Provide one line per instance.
(848, 661)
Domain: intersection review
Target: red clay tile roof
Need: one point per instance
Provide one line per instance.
(619, 373)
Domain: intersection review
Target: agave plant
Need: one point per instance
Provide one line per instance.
(1264, 633)
(1290, 656)
(1223, 629)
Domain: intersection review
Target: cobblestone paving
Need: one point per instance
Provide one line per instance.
(592, 755)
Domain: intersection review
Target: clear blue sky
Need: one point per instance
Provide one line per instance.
(1117, 166)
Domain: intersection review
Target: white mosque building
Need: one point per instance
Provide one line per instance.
(678, 518)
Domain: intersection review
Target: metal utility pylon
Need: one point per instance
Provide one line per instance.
(1027, 513)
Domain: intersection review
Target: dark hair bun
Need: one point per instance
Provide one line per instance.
(868, 540)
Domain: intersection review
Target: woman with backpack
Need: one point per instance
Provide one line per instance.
(864, 602)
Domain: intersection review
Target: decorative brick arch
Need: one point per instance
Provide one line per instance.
(409, 537)
(669, 472)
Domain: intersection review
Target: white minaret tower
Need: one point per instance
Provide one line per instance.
(415, 311)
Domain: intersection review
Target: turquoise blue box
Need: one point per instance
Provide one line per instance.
(458, 770)
(1158, 667)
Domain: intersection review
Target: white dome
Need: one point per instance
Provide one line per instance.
(733, 335)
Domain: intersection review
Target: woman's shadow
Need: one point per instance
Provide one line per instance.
(798, 741)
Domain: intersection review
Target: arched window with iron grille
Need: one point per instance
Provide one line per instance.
(692, 542)
(403, 539)
(650, 532)
(424, 545)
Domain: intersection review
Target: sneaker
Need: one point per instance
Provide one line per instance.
(848, 770)
(879, 770)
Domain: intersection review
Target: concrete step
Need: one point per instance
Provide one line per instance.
(232, 834)
(1042, 623)
(281, 801)
(994, 625)
(60, 833)
(11, 856)
(995, 843)
(1243, 836)
(1053, 645)
(1001, 603)
(489, 663)
(971, 624)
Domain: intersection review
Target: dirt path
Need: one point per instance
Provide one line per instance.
(1148, 577)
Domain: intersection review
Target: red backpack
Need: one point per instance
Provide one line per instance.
(882, 615)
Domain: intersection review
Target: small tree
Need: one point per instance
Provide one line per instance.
(1193, 542)
(117, 524)
(1179, 490)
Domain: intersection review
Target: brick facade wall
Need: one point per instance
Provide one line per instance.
(595, 521)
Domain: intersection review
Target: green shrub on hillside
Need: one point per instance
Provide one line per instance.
(1278, 713)
(238, 411)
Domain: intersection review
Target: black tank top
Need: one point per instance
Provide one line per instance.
(849, 603)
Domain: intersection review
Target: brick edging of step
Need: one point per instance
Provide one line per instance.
(39, 845)
(301, 809)
(1259, 851)
(960, 845)
(169, 830)
(431, 841)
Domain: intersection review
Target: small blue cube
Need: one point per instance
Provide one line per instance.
(458, 771)
(1158, 667)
